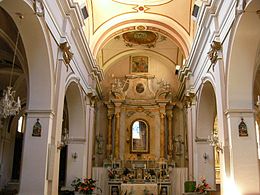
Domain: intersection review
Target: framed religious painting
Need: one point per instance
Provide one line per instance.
(139, 64)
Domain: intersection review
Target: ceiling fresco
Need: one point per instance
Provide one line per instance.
(147, 38)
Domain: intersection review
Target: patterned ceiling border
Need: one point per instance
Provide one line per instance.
(136, 10)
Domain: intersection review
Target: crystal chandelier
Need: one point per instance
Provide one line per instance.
(8, 105)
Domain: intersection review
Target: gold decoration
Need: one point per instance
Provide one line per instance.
(213, 53)
(140, 37)
(67, 54)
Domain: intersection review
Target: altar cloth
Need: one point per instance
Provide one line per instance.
(139, 189)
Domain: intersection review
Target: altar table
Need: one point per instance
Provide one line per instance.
(139, 189)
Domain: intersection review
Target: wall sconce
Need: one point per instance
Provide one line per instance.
(205, 156)
(214, 141)
(74, 155)
(64, 139)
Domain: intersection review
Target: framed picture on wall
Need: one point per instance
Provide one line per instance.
(139, 64)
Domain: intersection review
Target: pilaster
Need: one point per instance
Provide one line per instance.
(35, 159)
(243, 151)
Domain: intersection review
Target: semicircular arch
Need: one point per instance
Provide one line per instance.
(38, 54)
(242, 59)
(153, 25)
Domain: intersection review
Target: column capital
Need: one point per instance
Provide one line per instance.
(117, 114)
(91, 99)
(189, 101)
(162, 115)
(240, 112)
(40, 113)
(109, 116)
(169, 113)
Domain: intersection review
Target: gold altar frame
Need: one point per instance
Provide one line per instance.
(144, 142)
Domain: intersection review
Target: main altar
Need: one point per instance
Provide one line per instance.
(140, 136)
(139, 177)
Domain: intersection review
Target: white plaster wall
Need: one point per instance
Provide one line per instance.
(217, 21)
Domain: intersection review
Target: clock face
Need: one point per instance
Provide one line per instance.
(139, 88)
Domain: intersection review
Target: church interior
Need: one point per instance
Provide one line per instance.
(129, 97)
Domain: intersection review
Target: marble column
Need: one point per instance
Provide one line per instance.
(162, 136)
(170, 134)
(117, 135)
(90, 136)
(109, 136)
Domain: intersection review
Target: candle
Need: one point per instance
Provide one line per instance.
(258, 99)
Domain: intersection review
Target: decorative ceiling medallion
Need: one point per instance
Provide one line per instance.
(143, 2)
(141, 8)
(140, 37)
(140, 27)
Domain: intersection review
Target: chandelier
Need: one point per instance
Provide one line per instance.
(8, 105)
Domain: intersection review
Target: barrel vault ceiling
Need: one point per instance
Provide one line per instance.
(119, 29)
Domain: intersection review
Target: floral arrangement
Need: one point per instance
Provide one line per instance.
(111, 173)
(84, 185)
(203, 186)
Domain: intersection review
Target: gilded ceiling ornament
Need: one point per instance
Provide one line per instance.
(140, 37)
(140, 27)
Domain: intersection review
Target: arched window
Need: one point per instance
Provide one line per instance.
(139, 137)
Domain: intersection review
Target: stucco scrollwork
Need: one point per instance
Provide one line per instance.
(117, 89)
(163, 90)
